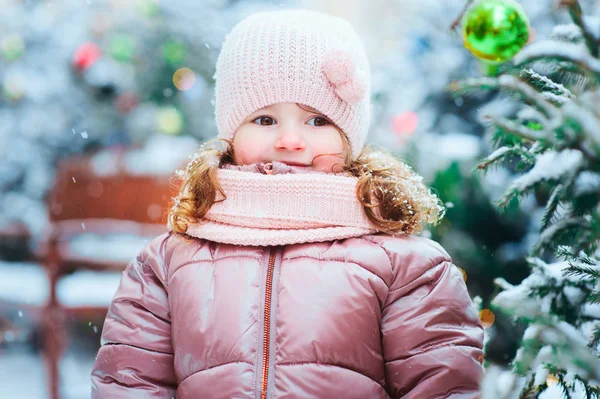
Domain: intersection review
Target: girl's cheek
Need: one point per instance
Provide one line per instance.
(240, 154)
(328, 163)
(248, 152)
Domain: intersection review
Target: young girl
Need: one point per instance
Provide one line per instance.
(290, 270)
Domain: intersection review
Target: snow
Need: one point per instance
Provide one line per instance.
(22, 375)
(118, 247)
(592, 310)
(569, 32)
(551, 165)
(531, 332)
(500, 383)
(161, 155)
(573, 294)
(554, 391)
(547, 235)
(27, 284)
(438, 151)
(515, 298)
(541, 374)
(592, 25)
(498, 153)
(586, 116)
(577, 53)
(517, 301)
(20, 206)
(556, 98)
(548, 83)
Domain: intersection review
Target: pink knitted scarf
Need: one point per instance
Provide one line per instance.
(277, 204)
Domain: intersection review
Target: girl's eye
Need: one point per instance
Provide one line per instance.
(266, 120)
(319, 121)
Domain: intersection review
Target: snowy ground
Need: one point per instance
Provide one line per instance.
(22, 375)
(25, 285)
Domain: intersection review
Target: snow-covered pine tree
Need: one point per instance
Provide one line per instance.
(554, 142)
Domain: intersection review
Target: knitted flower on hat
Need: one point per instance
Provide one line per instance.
(300, 56)
(341, 71)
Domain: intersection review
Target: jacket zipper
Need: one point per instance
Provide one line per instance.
(267, 324)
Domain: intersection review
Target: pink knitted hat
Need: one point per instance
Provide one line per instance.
(300, 56)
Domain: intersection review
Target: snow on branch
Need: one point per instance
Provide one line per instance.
(547, 83)
(586, 117)
(564, 225)
(567, 32)
(575, 53)
(501, 153)
(550, 165)
(530, 95)
(517, 129)
(577, 15)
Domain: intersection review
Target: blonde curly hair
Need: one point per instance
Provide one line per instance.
(394, 197)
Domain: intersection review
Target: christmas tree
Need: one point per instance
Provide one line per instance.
(440, 135)
(552, 142)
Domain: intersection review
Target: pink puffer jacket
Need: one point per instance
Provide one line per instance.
(368, 317)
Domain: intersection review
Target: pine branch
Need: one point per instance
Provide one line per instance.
(577, 16)
(594, 297)
(551, 49)
(563, 385)
(555, 99)
(497, 155)
(584, 271)
(457, 20)
(588, 260)
(595, 339)
(529, 391)
(527, 115)
(513, 194)
(503, 152)
(564, 251)
(516, 129)
(589, 123)
(567, 340)
(545, 83)
(551, 207)
(528, 94)
(591, 392)
(550, 166)
(564, 228)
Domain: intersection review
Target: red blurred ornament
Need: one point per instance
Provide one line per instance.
(125, 102)
(85, 56)
(405, 124)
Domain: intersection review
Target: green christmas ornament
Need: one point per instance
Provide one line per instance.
(13, 47)
(122, 48)
(495, 30)
(174, 52)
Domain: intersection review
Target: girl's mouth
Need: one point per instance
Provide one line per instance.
(294, 163)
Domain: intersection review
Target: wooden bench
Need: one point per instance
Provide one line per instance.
(99, 220)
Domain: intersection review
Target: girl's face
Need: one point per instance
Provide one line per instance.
(287, 133)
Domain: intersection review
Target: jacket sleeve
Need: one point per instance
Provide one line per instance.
(136, 356)
(431, 334)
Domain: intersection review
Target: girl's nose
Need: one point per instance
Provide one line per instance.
(290, 141)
